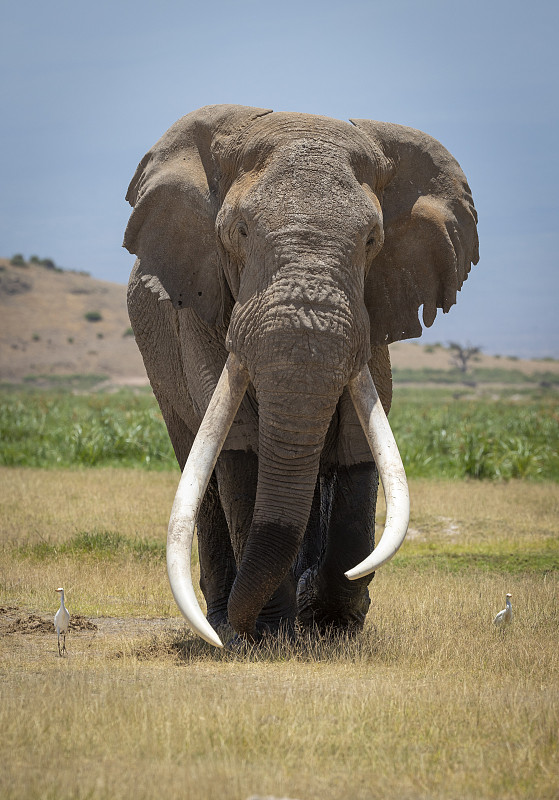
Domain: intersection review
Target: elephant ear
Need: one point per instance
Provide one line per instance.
(176, 193)
(430, 235)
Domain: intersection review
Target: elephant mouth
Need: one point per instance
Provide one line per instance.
(209, 441)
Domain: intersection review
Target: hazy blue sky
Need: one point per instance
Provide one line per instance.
(88, 87)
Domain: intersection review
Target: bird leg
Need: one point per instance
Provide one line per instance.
(61, 650)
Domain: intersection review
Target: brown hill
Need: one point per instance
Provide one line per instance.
(61, 323)
(55, 322)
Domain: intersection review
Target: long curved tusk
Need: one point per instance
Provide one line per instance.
(209, 440)
(391, 470)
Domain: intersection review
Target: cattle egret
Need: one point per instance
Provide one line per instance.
(504, 617)
(61, 622)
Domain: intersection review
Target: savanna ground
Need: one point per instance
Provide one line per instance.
(430, 701)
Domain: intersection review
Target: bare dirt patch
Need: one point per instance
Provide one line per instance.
(17, 620)
(14, 620)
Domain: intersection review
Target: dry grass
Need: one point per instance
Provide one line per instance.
(43, 505)
(431, 701)
(473, 511)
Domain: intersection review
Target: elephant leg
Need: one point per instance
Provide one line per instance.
(217, 561)
(314, 541)
(237, 476)
(325, 597)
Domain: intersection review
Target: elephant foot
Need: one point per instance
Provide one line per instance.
(277, 616)
(327, 608)
(263, 638)
(221, 626)
(218, 618)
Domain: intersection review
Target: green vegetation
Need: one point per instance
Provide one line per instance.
(438, 436)
(19, 261)
(74, 382)
(497, 438)
(48, 429)
(484, 561)
(93, 316)
(97, 543)
(476, 375)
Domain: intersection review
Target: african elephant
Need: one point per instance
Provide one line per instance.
(284, 252)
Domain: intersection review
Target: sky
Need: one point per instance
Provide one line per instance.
(87, 88)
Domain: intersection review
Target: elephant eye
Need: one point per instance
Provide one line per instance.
(242, 228)
(371, 241)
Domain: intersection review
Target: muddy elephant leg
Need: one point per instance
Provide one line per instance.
(217, 562)
(237, 475)
(324, 595)
(223, 524)
(316, 534)
(281, 609)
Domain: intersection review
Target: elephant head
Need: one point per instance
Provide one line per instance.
(305, 241)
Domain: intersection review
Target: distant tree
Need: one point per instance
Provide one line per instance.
(460, 357)
(47, 263)
(17, 260)
(93, 316)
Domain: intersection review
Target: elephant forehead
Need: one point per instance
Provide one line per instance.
(303, 137)
(281, 127)
(316, 156)
(294, 191)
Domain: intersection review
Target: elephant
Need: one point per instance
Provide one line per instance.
(278, 255)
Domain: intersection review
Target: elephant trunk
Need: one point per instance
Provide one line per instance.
(295, 414)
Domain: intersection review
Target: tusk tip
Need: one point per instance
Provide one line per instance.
(353, 574)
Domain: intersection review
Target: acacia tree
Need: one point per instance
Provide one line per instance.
(460, 356)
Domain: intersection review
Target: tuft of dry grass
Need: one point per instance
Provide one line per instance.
(430, 701)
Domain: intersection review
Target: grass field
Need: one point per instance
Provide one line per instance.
(431, 701)
(450, 433)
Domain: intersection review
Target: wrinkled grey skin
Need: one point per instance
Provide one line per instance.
(304, 245)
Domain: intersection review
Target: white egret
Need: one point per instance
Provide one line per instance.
(61, 622)
(504, 617)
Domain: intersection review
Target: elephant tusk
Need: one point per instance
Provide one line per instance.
(391, 470)
(209, 440)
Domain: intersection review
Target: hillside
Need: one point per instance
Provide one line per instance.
(45, 331)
